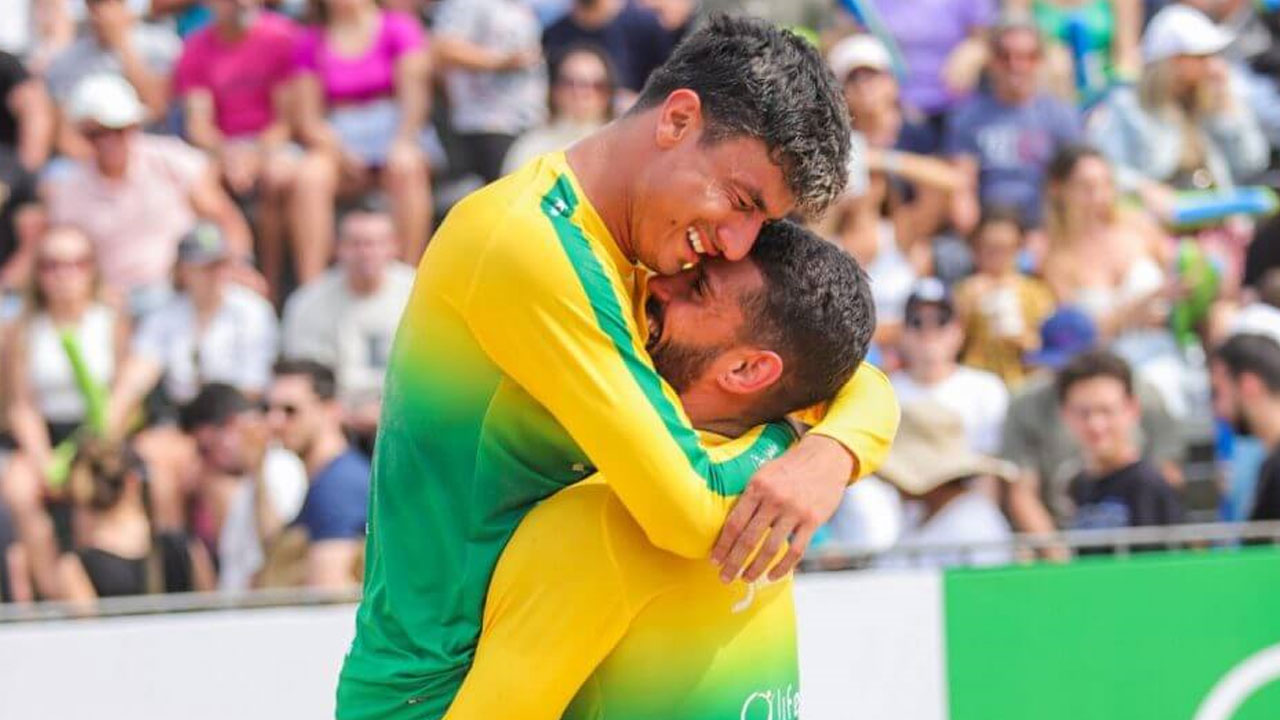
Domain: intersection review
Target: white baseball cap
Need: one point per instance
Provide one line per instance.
(106, 99)
(1182, 30)
(858, 51)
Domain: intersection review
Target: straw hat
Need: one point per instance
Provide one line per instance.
(931, 450)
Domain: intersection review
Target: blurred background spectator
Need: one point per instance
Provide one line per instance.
(121, 553)
(931, 340)
(64, 340)
(1186, 123)
(583, 86)
(1117, 488)
(304, 414)
(630, 35)
(364, 97)
(999, 308)
(248, 487)
(491, 55)
(233, 80)
(136, 194)
(935, 469)
(346, 318)
(1002, 139)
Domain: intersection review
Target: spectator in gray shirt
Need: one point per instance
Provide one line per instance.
(346, 318)
(1037, 440)
(491, 53)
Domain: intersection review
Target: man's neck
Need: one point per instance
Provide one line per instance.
(1100, 466)
(364, 286)
(594, 161)
(1011, 99)
(1264, 421)
(329, 445)
(930, 374)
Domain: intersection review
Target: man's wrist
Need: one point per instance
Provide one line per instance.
(831, 453)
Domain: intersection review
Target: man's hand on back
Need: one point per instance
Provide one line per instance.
(787, 499)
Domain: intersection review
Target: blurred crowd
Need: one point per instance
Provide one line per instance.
(210, 211)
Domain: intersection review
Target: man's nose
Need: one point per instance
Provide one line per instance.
(736, 238)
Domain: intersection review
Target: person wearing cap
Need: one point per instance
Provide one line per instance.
(137, 194)
(898, 194)
(1036, 439)
(1002, 138)
(931, 340)
(214, 330)
(1115, 487)
(1186, 123)
(948, 519)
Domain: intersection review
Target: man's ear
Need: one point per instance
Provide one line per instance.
(751, 371)
(679, 116)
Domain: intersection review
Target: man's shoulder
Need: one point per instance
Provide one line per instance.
(351, 469)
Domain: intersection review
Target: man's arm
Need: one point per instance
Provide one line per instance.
(556, 320)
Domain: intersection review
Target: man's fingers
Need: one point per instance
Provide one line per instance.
(737, 521)
(782, 529)
(747, 541)
(795, 553)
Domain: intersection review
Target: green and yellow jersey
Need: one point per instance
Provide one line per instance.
(638, 632)
(519, 369)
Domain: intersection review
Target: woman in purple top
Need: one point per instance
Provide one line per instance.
(932, 36)
(363, 81)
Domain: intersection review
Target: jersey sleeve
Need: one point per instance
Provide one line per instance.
(863, 417)
(546, 308)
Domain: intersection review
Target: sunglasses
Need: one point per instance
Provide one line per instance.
(54, 264)
(573, 83)
(928, 322)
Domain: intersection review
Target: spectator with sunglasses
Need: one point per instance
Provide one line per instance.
(137, 194)
(931, 340)
(45, 403)
(303, 413)
(582, 90)
(1002, 139)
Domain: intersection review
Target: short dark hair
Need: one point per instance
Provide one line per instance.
(1094, 364)
(760, 81)
(1254, 354)
(215, 404)
(996, 215)
(815, 310)
(323, 382)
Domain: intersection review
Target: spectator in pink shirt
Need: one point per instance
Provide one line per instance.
(363, 97)
(137, 195)
(233, 77)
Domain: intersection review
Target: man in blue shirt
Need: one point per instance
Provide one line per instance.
(1003, 138)
(631, 36)
(306, 417)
